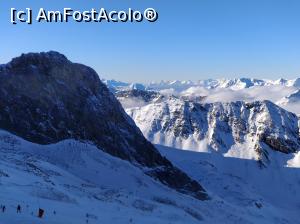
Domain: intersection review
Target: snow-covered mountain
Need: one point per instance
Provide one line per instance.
(115, 86)
(67, 146)
(237, 129)
(253, 147)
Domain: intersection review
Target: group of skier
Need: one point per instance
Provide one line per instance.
(3, 208)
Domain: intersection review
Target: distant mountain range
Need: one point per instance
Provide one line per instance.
(281, 92)
(179, 86)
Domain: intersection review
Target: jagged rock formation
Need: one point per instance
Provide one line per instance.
(138, 97)
(249, 129)
(45, 98)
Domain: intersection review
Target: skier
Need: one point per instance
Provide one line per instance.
(19, 209)
(41, 213)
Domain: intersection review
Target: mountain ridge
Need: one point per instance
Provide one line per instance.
(260, 126)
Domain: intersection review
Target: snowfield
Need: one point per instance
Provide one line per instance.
(74, 182)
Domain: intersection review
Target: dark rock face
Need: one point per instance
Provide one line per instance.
(145, 96)
(45, 98)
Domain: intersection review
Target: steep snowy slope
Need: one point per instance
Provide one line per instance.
(75, 182)
(238, 129)
(45, 98)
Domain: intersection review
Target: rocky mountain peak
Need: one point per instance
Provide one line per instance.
(45, 98)
(37, 59)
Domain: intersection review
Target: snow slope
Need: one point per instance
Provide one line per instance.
(80, 183)
(271, 195)
(77, 180)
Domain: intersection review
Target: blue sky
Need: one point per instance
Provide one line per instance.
(193, 39)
